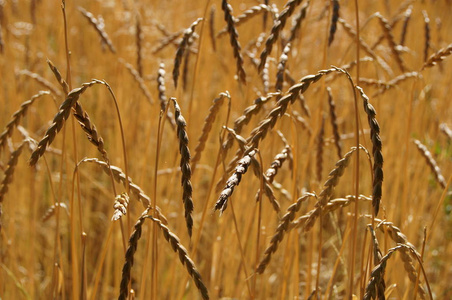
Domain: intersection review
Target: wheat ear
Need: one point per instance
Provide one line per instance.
(334, 18)
(59, 120)
(9, 172)
(376, 151)
(51, 211)
(297, 20)
(184, 258)
(427, 34)
(136, 75)
(58, 76)
(212, 28)
(162, 95)
(333, 119)
(380, 286)
(208, 122)
(181, 49)
(185, 166)
(387, 30)
(446, 130)
(282, 68)
(90, 129)
(278, 26)
(406, 20)
(431, 163)
(135, 190)
(98, 27)
(319, 154)
(17, 116)
(131, 249)
(437, 57)
(42, 81)
(233, 38)
(283, 226)
(233, 181)
(120, 206)
(138, 44)
(247, 15)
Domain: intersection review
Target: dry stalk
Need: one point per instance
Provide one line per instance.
(233, 35)
(131, 249)
(431, 163)
(333, 119)
(278, 26)
(59, 120)
(184, 43)
(334, 18)
(208, 122)
(17, 116)
(185, 166)
(135, 74)
(387, 30)
(99, 27)
(120, 206)
(282, 228)
(234, 180)
(184, 258)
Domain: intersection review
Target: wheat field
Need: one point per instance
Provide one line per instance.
(246, 149)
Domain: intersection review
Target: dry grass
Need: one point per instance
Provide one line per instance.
(260, 87)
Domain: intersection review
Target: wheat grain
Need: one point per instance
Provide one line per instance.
(185, 166)
(233, 38)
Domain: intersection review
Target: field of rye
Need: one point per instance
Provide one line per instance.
(217, 149)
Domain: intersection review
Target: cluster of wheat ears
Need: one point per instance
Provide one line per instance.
(281, 149)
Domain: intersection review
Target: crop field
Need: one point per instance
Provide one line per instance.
(214, 149)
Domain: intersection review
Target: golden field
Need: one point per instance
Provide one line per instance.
(251, 158)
